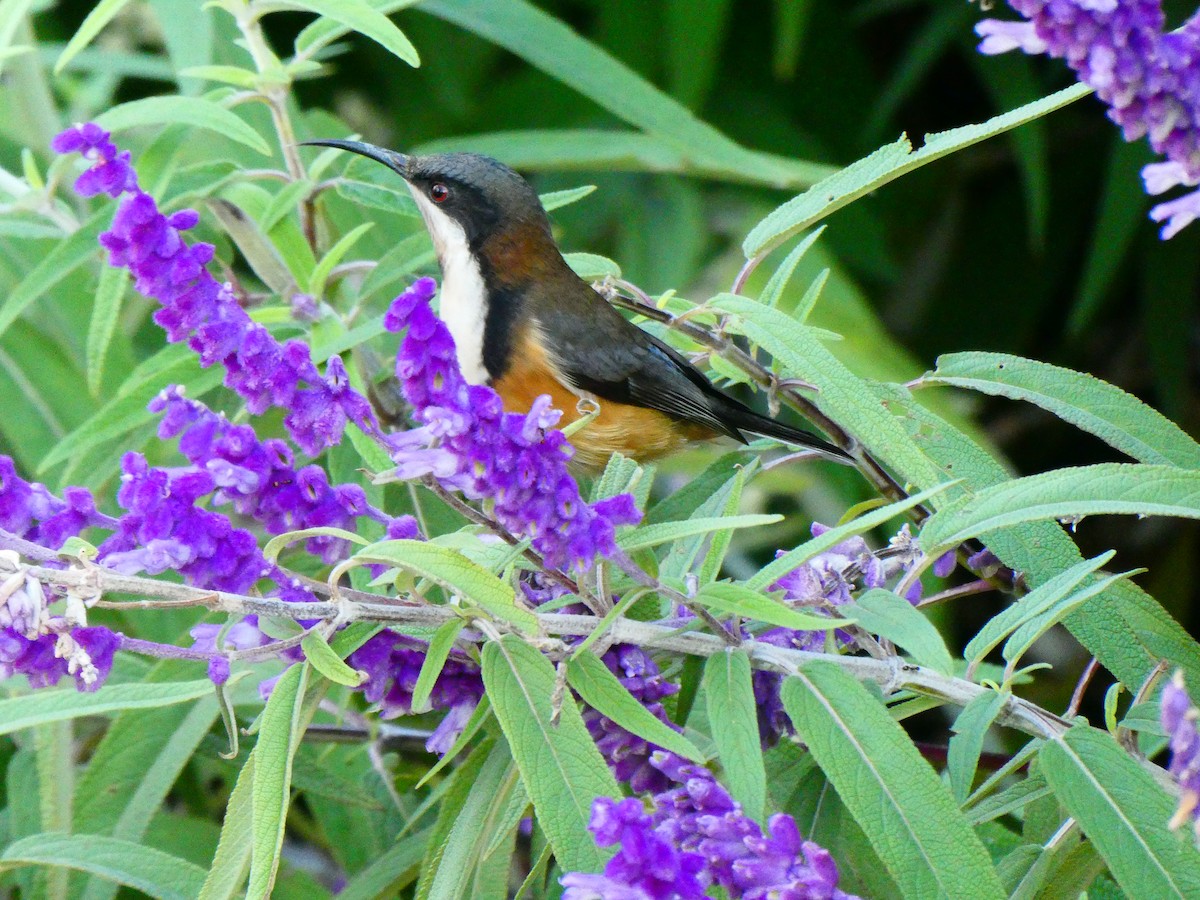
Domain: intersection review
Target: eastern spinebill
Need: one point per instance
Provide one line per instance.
(526, 324)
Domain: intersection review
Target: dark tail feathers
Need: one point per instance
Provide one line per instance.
(748, 420)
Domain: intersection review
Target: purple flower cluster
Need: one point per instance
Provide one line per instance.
(259, 480)
(1179, 719)
(696, 835)
(469, 443)
(197, 308)
(1149, 79)
(820, 586)
(392, 663)
(34, 643)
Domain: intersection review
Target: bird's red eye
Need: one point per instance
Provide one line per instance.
(439, 192)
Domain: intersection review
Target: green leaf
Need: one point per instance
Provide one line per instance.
(1119, 419)
(235, 75)
(897, 799)
(376, 196)
(275, 545)
(733, 718)
(1123, 811)
(592, 266)
(102, 13)
(105, 309)
(652, 535)
(887, 164)
(560, 766)
(552, 200)
(382, 877)
(883, 613)
(855, 404)
(258, 249)
(232, 859)
(455, 573)
(176, 110)
(600, 689)
(1105, 488)
(125, 862)
(61, 261)
(320, 274)
(367, 21)
(794, 559)
(56, 705)
(278, 735)
(439, 649)
(1041, 598)
(1037, 624)
(323, 658)
(468, 867)
(552, 46)
(779, 279)
(970, 728)
(732, 599)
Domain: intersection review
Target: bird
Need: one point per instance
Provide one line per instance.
(524, 323)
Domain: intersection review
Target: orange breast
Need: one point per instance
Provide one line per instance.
(633, 431)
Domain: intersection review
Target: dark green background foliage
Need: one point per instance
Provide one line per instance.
(1034, 243)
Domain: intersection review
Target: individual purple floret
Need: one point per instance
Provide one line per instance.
(696, 835)
(392, 663)
(86, 654)
(196, 308)
(1149, 79)
(469, 443)
(1179, 719)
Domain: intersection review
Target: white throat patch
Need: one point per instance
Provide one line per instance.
(463, 295)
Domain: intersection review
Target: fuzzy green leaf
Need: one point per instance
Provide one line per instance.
(897, 799)
(194, 111)
(733, 718)
(560, 766)
(1123, 811)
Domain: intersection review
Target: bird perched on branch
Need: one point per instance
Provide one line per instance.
(526, 324)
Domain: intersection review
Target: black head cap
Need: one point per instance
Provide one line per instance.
(480, 193)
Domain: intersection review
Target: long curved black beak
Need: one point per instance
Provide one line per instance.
(397, 162)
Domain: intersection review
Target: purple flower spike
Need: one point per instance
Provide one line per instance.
(205, 313)
(1179, 720)
(696, 835)
(470, 444)
(1150, 79)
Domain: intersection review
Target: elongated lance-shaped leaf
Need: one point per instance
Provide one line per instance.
(783, 274)
(102, 13)
(653, 535)
(600, 689)
(887, 164)
(1035, 602)
(731, 599)
(733, 718)
(383, 876)
(794, 559)
(159, 111)
(105, 309)
(435, 660)
(897, 799)
(1106, 488)
(278, 735)
(1124, 627)
(55, 706)
(368, 21)
(143, 868)
(844, 397)
(60, 262)
(560, 766)
(551, 46)
(1123, 811)
(466, 869)
(889, 616)
(970, 728)
(456, 573)
(1117, 418)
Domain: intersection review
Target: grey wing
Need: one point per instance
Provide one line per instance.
(622, 363)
